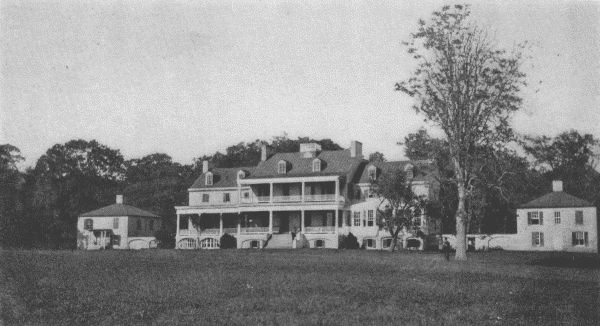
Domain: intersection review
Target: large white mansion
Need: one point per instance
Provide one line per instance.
(307, 198)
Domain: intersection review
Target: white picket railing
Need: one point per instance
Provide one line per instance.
(319, 229)
(247, 230)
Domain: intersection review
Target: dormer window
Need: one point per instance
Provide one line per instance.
(372, 172)
(409, 172)
(316, 165)
(209, 179)
(282, 167)
(241, 174)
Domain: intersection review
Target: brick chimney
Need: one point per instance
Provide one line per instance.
(263, 153)
(119, 199)
(557, 186)
(356, 149)
(204, 166)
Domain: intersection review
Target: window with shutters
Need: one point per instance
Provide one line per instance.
(226, 197)
(556, 217)
(535, 218)
(580, 239)
(371, 218)
(537, 239)
(579, 217)
(88, 224)
(356, 219)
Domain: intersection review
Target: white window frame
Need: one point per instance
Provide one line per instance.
(281, 167)
(207, 197)
(372, 172)
(115, 222)
(321, 242)
(580, 237)
(557, 217)
(356, 219)
(370, 217)
(208, 179)
(226, 197)
(535, 216)
(537, 239)
(316, 165)
(383, 243)
(370, 243)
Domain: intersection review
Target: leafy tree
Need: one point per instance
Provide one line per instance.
(399, 206)
(467, 87)
(156, 183)
(70, 179)
(569, 157)
(376, 157)
(228, 241)
(12, 224)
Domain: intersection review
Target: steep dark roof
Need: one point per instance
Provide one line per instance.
(222, 177)
(332, 163)
(119, 210)
(555, 200)
(422, 170)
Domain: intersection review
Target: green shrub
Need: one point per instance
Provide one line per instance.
(165, 239)
(349, 242)
(228, 241)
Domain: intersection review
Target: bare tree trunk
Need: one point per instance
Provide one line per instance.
(461, 225)
(394, 240)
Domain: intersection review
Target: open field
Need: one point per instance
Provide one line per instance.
(301, 287)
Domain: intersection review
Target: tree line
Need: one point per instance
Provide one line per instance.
(39, 206)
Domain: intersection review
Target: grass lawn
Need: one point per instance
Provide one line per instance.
(299, 287)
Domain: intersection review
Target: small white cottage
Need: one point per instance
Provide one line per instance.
(117, 226)
(558, 221)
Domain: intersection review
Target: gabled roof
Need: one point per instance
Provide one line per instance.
(422, 170)
(332, 163)
(557, 199)
(222, 177)
(118, 210)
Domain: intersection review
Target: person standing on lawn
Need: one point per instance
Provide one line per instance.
(446, 249)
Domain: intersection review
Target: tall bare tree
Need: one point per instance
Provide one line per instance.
(468, 87)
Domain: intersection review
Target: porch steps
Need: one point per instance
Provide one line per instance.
(280, 241)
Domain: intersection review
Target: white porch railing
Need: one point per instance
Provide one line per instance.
(230, 230)
(212, 231)
(326, 197)
(255, 230)
(188, 232)
(319, 229)
(286, 199)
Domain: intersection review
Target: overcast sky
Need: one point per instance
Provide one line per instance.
(189, 78)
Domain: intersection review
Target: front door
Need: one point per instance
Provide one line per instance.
(284, 224)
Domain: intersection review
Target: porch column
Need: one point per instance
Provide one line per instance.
(303, 191)
(337, 212)
(271, 221)
(239, 229)
(178, 218)
(271, 192)
(337, 191)
(302, 220)
(344, 214)
(221, 224)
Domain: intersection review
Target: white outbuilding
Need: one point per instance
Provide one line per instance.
(117, 226)
(558, 221)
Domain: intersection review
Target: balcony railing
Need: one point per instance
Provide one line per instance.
(328, 197)
(319, 229)
(252, 230)
(287, 199)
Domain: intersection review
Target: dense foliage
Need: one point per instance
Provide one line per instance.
(349, 241)
(228, 241)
